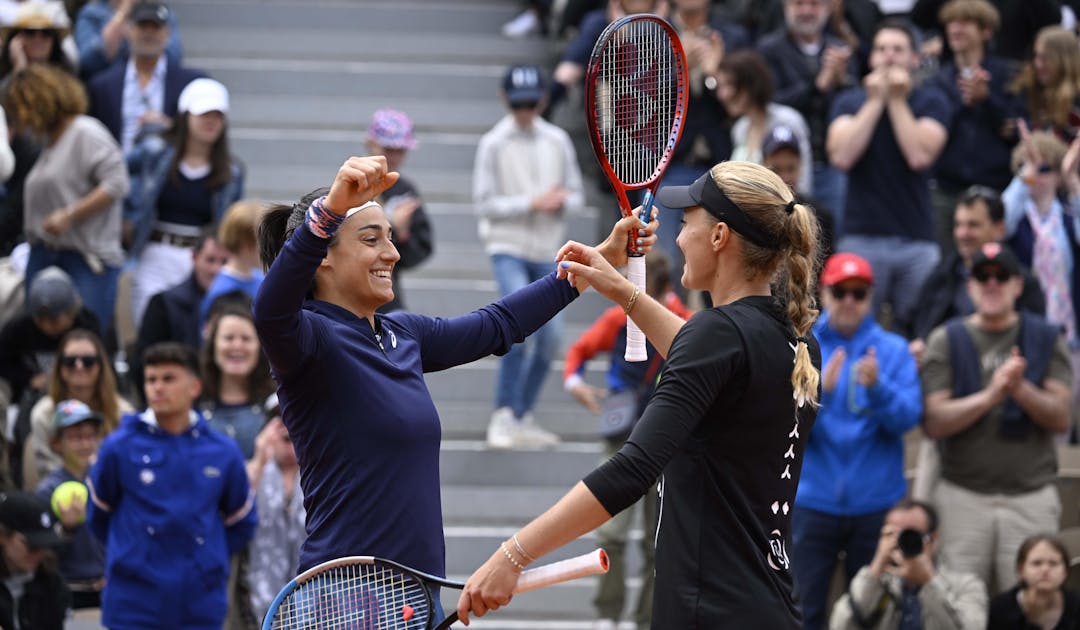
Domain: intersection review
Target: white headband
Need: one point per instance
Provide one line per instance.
(367, 205)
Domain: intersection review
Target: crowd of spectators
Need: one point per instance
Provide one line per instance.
(937, 140)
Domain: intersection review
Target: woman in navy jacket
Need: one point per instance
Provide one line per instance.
(351, 381)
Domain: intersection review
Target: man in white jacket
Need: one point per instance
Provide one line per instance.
(525, 178)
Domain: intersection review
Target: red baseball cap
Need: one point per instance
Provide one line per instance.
(841, 267)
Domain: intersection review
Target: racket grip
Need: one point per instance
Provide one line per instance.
(635, 339)
(592, 563)
(646, 207)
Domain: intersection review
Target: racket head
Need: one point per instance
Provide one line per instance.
(636, 94)
(355, 592)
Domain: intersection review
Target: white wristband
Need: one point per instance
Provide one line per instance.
(572, 381)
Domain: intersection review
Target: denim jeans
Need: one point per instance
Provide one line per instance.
(437, 612)
(817, 540)
(522, 370)
(900, 265)
(98, 291)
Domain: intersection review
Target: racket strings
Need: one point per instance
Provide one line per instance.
(356, 597)
(637, 99)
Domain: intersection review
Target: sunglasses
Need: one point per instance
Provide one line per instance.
(72, 361)
(34, 32)
(982, 275)
(858, 293)
(525, 105)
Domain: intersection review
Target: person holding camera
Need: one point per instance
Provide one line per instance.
(903, 587)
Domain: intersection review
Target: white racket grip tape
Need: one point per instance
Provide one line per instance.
(593, 563)
(635, 339)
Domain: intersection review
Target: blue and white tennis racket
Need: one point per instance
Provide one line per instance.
(365, 593)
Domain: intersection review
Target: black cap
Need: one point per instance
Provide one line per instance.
(52, 294)
(524, 84)
(994, 253)
(779, 137)
(150, 11)
(31, 516)
(705, 193)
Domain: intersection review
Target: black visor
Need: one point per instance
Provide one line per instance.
(705, 193)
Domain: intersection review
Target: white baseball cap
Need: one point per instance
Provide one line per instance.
(204, 95)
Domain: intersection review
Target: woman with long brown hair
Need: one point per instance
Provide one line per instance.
(1050, 83)
(36, 36)
(182, 182)
(81, 372)
(235, 373)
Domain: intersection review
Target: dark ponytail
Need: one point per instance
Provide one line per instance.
(279, 223)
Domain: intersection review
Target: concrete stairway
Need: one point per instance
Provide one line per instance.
(304, 78)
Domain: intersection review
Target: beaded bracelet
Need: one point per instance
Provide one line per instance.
(521, 550)
(632, 301)
(321, 221)
(506, 552)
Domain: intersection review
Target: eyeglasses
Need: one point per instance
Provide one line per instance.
(983, 275)
(72, 361)
(858, 293)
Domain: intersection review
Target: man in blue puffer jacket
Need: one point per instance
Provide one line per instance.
(853, 469)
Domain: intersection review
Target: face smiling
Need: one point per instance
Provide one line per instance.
(360, 263)
(236, 348)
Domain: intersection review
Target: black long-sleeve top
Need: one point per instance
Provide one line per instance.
(724, 430)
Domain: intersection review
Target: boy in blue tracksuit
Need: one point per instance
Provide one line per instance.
(853, 468)
(171, 501)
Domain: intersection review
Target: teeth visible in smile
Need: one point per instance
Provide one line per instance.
(381, 274)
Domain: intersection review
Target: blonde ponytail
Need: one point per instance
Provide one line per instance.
(768, 201)
(802, 232)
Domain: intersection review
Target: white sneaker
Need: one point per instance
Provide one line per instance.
(524, 24)
(532, 435)
(605, 624)
(503, 429)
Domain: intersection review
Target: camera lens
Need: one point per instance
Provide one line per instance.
(910, 542)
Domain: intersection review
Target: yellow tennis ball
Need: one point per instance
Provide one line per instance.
(65, 494)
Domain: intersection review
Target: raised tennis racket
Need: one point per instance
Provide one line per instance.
(365, 593)
(636, 92)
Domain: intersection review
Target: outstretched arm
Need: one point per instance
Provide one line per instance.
(692, 380)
